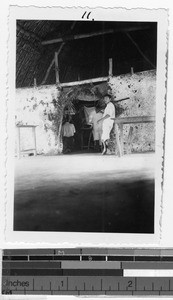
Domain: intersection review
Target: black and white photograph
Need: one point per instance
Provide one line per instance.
(88, 122)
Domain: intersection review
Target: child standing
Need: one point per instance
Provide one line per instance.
(68, 131)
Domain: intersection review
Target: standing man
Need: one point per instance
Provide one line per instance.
(107, 122)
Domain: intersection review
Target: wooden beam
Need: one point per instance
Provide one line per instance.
(35, 82)
(51, 64)
(87, 81)
(55, 60)
(139, 50)
(76, 37)
(48, 71)
(92, 34)
(73, 25)
(60, 48)
(110, 67)
(129, 140)
(132, 71)
(121, 138)
(56, 63)
(119, 100)
(120, 152)
(56, 68)
(130, 120)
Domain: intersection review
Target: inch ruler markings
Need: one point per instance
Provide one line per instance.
(88, 271)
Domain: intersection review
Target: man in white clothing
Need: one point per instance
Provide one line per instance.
(95, 115)
(107, 122)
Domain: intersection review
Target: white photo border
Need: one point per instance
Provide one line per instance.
(74, 239)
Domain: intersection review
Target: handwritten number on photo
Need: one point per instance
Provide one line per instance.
(87, 16)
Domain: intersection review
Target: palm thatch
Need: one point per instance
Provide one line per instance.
(85, 58)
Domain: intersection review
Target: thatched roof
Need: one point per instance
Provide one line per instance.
(130, 44)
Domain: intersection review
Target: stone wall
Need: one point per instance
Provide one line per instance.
(36, 106)
(141, 90)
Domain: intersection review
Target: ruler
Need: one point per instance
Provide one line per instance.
(88, 271)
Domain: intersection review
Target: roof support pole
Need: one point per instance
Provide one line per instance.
(92, 34)
(77, 36)
(48, 71)
(56, 68)
(56, 63)
(60, 48)
(110, 67)
(51, 64)
(86, 81)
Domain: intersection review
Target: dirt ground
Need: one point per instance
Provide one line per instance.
(85, 193)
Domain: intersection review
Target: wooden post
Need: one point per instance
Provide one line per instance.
(78, 77)
(35, 82)
(60, 48)
(51, 64)
(117, 139)
(48, 71)
(34, 137)
(110, 67)
(59, 131)
(121, 139)
(56, 68)
(132, 70)
(129, 140)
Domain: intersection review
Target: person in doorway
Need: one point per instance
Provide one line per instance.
(96, 127)
(68, 131)
(107, 122)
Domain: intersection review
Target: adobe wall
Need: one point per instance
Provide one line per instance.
(141, 90)
(36, 106)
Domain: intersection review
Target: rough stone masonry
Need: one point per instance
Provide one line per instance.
(34, 106)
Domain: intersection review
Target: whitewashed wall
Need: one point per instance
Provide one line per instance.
(35, 105)
(141, 90)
